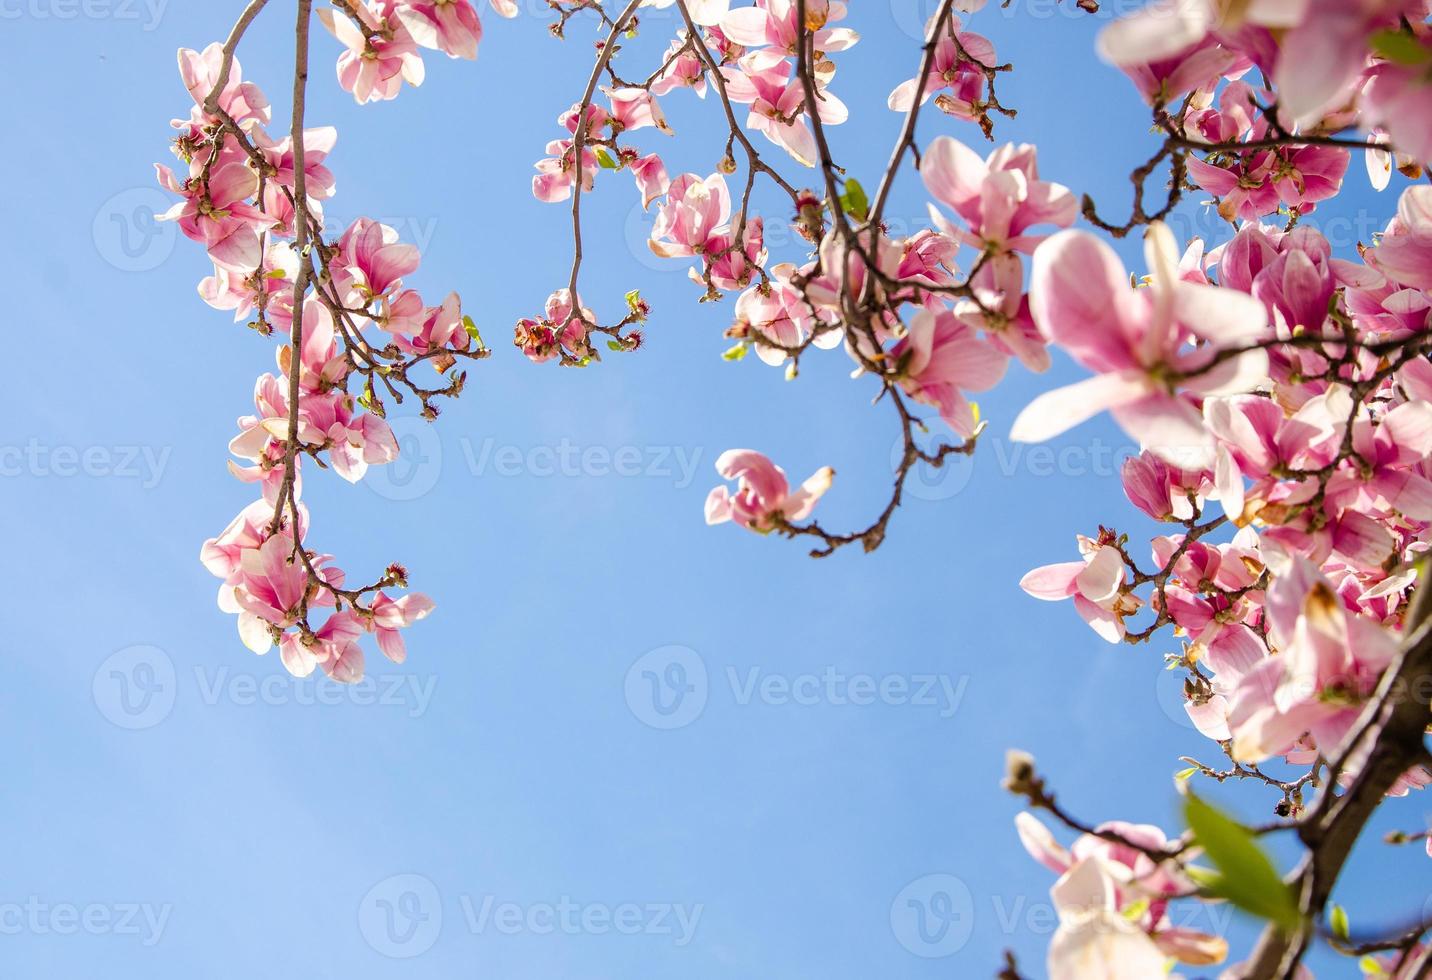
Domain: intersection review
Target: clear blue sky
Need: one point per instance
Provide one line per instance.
(513, 764)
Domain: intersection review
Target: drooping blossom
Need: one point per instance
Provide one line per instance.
(763, 498)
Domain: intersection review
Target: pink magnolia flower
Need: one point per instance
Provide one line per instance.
(1254, 183)
(1329, 663)
(556, 173)
(706, 13)
(1298, 284)
(1405, 253)
(1398, 98)
(392, 615)
(449, 26)
(999, 197)
(1160, 490)
(441, 327)
(1166, 30)
(776, 311)
(270, 287)
(562, 330)
(321, 367)
(380, 54)
(1135, 339)
(634, 108)
(223, 555)
(693, 212)
(773, 22)
(267, 588)
(732, 266)
(941, 356)
(243, 101)
(651, 180)
(371, 262)
(1113, 903)
(1321, 58)
(1096, 585)
(763, 497)
(1401, 440)
(317, 144)
(359, 443)
(333, 646)
(953, 71)
(680, 70)
(1093, 938)
(763, 80)
(1196, 67)
(1256, 441)
(217, 213)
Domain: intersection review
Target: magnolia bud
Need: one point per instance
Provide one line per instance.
(1019, 774)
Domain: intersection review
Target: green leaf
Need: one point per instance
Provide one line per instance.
(735, 352)
(1337, 918)
(1188, 773)
(615, 345)
(471, 329)
(605, 159)
(1401, 48)
(1245, 876)
(854, 202)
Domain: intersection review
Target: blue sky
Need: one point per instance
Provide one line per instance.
(512, 802)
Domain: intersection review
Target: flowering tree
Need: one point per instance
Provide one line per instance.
(1282, 394)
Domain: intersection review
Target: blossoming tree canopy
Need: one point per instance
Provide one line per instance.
(1280, 388)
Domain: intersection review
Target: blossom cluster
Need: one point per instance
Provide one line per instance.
(382, 38)
(1282, 396)
(358, 325)
(1323, 66)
